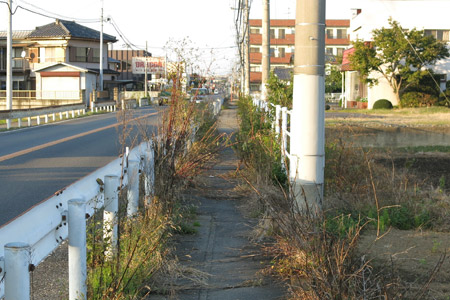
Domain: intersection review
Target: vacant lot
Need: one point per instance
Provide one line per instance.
(416, 141)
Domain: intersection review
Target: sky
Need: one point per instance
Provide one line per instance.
(208, 24)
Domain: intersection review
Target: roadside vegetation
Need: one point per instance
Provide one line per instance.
(367, 196)
(184, 145)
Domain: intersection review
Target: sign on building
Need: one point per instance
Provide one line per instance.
(154, 65)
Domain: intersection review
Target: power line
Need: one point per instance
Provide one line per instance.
(50, 14)
(47, 14)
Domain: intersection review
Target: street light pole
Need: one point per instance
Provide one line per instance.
(9, 63)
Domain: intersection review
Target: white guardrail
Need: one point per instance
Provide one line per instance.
(30, 238)
(45, 114)
(281, 120)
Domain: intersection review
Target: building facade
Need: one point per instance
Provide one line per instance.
(282, 45)
(426, 15)
(54, 49)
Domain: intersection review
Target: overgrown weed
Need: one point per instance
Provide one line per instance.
(185, 144)
(319, 256)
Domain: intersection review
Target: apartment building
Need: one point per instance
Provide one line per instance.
(282, 45)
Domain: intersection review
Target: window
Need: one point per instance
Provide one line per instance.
(329, 51)
(281, 34)
(50, 55)
(341, 34)
(254, 50)
(255, 87)
(17, 62)
(281, 52)
(254, 30)
(81, 54)
(272, 52)
(340, 52)
(255, 69)
(330, 34)
(96, 57)
(440, 35)
(272, 33)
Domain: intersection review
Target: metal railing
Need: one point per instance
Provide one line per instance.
(42, 95)
(46, 115)
(32, 236)
(28, 239)
(281, 123)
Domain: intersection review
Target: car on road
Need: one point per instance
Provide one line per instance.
(199, 95)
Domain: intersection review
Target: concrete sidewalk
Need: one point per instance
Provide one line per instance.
(222, 247)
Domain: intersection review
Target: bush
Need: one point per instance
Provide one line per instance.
(327, 107)
(382, 104)
(418, 99)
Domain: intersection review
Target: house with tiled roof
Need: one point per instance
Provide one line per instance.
(62, 56)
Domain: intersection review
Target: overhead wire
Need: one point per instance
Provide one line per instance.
(48, 14)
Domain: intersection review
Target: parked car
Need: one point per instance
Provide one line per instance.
(199, 94)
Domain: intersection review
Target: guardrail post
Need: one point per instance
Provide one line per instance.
(110, 214)
(38, 120)
(133, 187)
(67, 114)
(78, 112)
(149, 170)
(277, 119)
(60, 116)
(77, 249)
(29, 121)
(19, 122)
(46, 119)
(54, 117)
(284, 115)
(73, 114)
(17, 276)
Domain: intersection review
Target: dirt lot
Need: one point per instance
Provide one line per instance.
(411, 256)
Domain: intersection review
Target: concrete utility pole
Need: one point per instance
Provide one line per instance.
(265, 49)
(101, 51)
(308, 114)
(247, 47)
(9, 63)
(145, 67)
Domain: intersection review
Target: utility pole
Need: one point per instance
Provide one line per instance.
(308, 115)
(247, 48)
(101, 51)
(265, 49)
(9, 64)
(145, 68)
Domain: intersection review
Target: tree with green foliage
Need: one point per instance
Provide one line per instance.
(279, 91)
(401, 56)
(333, 81)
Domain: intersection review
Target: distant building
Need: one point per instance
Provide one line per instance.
(62, 56)
(282, 45)
(427, 15)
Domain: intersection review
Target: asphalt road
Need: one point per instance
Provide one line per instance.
(38, 161)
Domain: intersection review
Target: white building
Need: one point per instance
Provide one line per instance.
(428, 15)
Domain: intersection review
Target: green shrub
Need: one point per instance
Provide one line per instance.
(418, 99)
(327, 107)
(382, 104)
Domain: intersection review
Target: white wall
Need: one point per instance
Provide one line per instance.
(419, 14)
